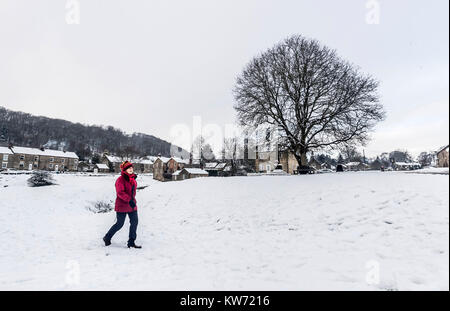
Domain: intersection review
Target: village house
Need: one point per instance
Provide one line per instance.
(113, 162)
(101, 168)
(25, 158)
(163, 167)
(144, 165)
(189, 173)
(406, 166)
(216, 169)
(141, 166)
(325, 166)
(357, 166)
(376, 164)
(315, 164)
(6, 157)
(267, 161)
(442, 156)
(84, 166)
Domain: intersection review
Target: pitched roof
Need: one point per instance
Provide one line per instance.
(176, 173)
(353, 163)
(196, 171)
(442, 149)
(180, 160)
(113, 159)
(221, 166)
(45, 152)
(5, 150)
(102, 166)
(164, 159)
(407, 163)
(210, 165)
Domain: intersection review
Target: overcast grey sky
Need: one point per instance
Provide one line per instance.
(146, 65)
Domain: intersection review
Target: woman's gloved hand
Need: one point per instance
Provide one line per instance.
(132, 204)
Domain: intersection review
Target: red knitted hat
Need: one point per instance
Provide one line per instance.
(125, 165)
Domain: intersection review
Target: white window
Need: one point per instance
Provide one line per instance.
(63, 160)
(52, 160)
(5, 157)
(22, 157)
(261, 167)
(36, 158)
(50, 166)
(4, 165)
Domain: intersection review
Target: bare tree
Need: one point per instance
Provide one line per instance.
(231, 152)
(202, 150)
(350, 153)
(317, 100)
(425, 158)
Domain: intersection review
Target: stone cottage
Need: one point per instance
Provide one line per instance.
(442, 156)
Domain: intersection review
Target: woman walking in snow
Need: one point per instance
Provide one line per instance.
(125, 204)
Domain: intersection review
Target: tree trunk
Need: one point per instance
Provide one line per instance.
(304, 159)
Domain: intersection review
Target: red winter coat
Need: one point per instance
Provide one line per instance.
(126, 191)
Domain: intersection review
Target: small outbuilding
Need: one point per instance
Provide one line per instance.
(189, 173)
(101, 168)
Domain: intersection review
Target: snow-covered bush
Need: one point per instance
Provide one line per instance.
(41, 178)
(101, 207)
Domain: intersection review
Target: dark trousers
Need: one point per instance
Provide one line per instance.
(119, 224)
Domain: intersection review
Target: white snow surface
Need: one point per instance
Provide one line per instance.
(432, 170)
(313, 232)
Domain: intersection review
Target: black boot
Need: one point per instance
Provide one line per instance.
(132, 245)
(107, 242)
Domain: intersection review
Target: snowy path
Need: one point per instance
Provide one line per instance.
(267, 233)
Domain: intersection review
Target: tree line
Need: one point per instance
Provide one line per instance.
(87, 141)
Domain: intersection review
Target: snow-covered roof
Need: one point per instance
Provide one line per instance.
(180, 160)
(407, 163)
(196, 171)
(114, 159)
(221, 166)
(210, 165)
(46, 152)
(102, 166)
(164, 159)
(5, 150)
(353, 163)
(176, 173)
(144, 161)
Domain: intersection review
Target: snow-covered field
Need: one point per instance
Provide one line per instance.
(329, 232)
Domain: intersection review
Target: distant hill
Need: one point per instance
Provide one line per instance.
(23, 129)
